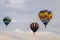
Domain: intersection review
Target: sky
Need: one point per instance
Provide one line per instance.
(23, 13)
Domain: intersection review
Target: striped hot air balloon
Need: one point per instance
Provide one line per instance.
(34, 27)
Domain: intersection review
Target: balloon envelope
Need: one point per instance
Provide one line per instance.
(45, 16)
(6, 20)
(34, 27)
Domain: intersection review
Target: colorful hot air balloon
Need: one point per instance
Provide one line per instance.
(6, 20)
(34, 27)
(45, 16)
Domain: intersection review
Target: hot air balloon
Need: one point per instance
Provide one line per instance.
(45, 16)
(34, 27)
(6, 20)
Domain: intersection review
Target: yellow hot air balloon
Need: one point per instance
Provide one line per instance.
(45, 16)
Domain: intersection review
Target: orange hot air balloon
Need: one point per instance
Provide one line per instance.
(45, 16)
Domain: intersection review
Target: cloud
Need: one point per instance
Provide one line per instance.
(18, 34)
(16, 1)
(5, 37)
(12, 2)
(13, 5)
(24, 12)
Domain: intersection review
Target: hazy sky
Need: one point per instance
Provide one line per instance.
(23, 13)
